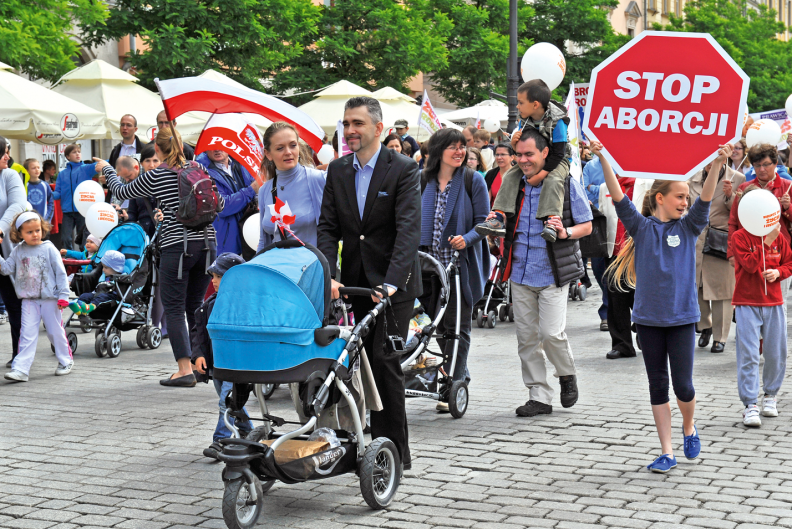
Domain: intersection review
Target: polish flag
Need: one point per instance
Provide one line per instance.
(198, 94)
(236, 136)
(281, 212)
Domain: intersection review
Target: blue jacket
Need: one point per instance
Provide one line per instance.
(780, 169)
(461, 216)
(593, 178)
(236, 197)
(72, 175)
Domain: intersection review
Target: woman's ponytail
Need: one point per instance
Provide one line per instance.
(169, 142)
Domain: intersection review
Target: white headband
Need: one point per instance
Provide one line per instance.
(26, 216)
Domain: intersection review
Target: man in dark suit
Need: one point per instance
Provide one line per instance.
(372, 200)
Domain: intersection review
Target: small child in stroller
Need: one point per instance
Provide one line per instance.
(112, 265)
(91, 247)
(202, 355)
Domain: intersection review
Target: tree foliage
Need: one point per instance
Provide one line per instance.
(35, 34)
(372, 43)
(245, 39)
(749, 36)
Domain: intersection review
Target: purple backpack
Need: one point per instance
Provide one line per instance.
(198, 200)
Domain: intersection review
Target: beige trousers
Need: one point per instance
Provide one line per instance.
(715, 314)
(540, 318)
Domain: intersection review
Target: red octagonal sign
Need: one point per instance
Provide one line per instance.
(663, 103)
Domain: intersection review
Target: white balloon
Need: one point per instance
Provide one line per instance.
(251, 230)
(326, 154)
(28, 206)
(87, 194)
(763, 132)
(491, 125)
(788, 107)
(544, 61)
(759, 211)
(100, 218)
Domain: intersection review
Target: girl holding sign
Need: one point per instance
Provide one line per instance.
(659, 261)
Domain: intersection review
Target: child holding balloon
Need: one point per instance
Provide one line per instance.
(761, 261)
(40, 282)
(659, 261)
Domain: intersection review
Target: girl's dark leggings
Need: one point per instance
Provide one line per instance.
(662, 346)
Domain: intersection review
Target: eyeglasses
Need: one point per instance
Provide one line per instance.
(502, 155)
(764, 166)
(455, 148)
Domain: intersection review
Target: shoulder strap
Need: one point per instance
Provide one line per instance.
(274, 189)
(424, 181)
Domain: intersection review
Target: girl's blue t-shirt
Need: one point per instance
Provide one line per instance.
(665, 264)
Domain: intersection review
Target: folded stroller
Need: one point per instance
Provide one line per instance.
(496, 303)
(271, 325)
(424, 375)
(135, 287)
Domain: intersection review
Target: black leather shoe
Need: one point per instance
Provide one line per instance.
(534, 407)
(187, 381)
(614, 354)
(569, 390)
(604, 325)
(704, 340)
(718, 347)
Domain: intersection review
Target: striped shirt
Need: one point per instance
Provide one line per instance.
(163, 184)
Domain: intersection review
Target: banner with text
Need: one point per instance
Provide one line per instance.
(428, 119)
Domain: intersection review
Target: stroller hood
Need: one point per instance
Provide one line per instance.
(129, 239)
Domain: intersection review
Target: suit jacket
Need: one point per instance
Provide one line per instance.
(385, 242)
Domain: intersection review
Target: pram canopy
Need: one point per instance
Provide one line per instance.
(263, 322)
(129, 239)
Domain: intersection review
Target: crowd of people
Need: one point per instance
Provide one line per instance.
(674, 244)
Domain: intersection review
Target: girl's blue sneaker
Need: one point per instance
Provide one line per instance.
(662, 464)
(692, 444)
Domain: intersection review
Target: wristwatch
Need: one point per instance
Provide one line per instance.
(569, 233)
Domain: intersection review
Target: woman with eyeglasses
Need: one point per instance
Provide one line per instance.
(739, 158)
(504, 160)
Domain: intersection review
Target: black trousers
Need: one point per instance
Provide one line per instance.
(391, 422)
(620, 306)
(185, 294)
(14, 308)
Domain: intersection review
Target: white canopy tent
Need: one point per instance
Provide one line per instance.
(30, 112)
(115, 93)
(490, 108)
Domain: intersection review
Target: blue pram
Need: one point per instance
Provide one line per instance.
(270, 325)
(135, 288)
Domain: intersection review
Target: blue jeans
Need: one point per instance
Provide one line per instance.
(72, 220)
(753, 324)
(222, 432)
(598, 265)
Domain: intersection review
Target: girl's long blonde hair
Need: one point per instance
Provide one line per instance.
(170, 143)
(621, 272)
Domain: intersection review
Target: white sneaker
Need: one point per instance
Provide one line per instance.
(64, 369)
(17, 375)
(751, 416)
(3, 318)
(442, 407)
(769, 408)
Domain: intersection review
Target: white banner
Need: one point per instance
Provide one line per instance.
(575, 165)
(427, 118)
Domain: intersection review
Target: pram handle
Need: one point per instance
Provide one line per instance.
(75, 262)
(357, 291)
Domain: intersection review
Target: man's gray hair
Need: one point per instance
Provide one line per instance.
(371, 104)
(127, 162)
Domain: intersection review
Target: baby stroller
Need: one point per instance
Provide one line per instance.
(496, 303)
(135, 287)
(425, 377)
(270, 326)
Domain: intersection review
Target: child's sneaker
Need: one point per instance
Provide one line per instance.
(663, 464)
(751, 416)
(492, 227)
(16, 375)
(89, 308)
(62, 370)
(75, 307)
(769, 408)
(549, 234)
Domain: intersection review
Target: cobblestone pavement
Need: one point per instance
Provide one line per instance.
(107, 446)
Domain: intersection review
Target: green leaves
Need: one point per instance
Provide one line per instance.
(35, 36)
(748, 34)
(247, 40)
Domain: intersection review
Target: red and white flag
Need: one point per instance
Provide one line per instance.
(198, 94)
(478, 119)
(233, 134)
(427, 118)
(282, 217)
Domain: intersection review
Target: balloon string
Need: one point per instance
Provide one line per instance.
(764, 264)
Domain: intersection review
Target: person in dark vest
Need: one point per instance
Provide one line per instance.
(540, 273)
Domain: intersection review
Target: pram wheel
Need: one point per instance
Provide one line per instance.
(114, 345)
(240, 510)
(85, 325)
(511, 313)
(380, 473)
(582, 293)
(458, 399)
(154, 337)
(258, 433)
(492, 319)
(480, 319)
(502, 313)
(140, 337)
(100, 346)
(72, 339)
(268, 389)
